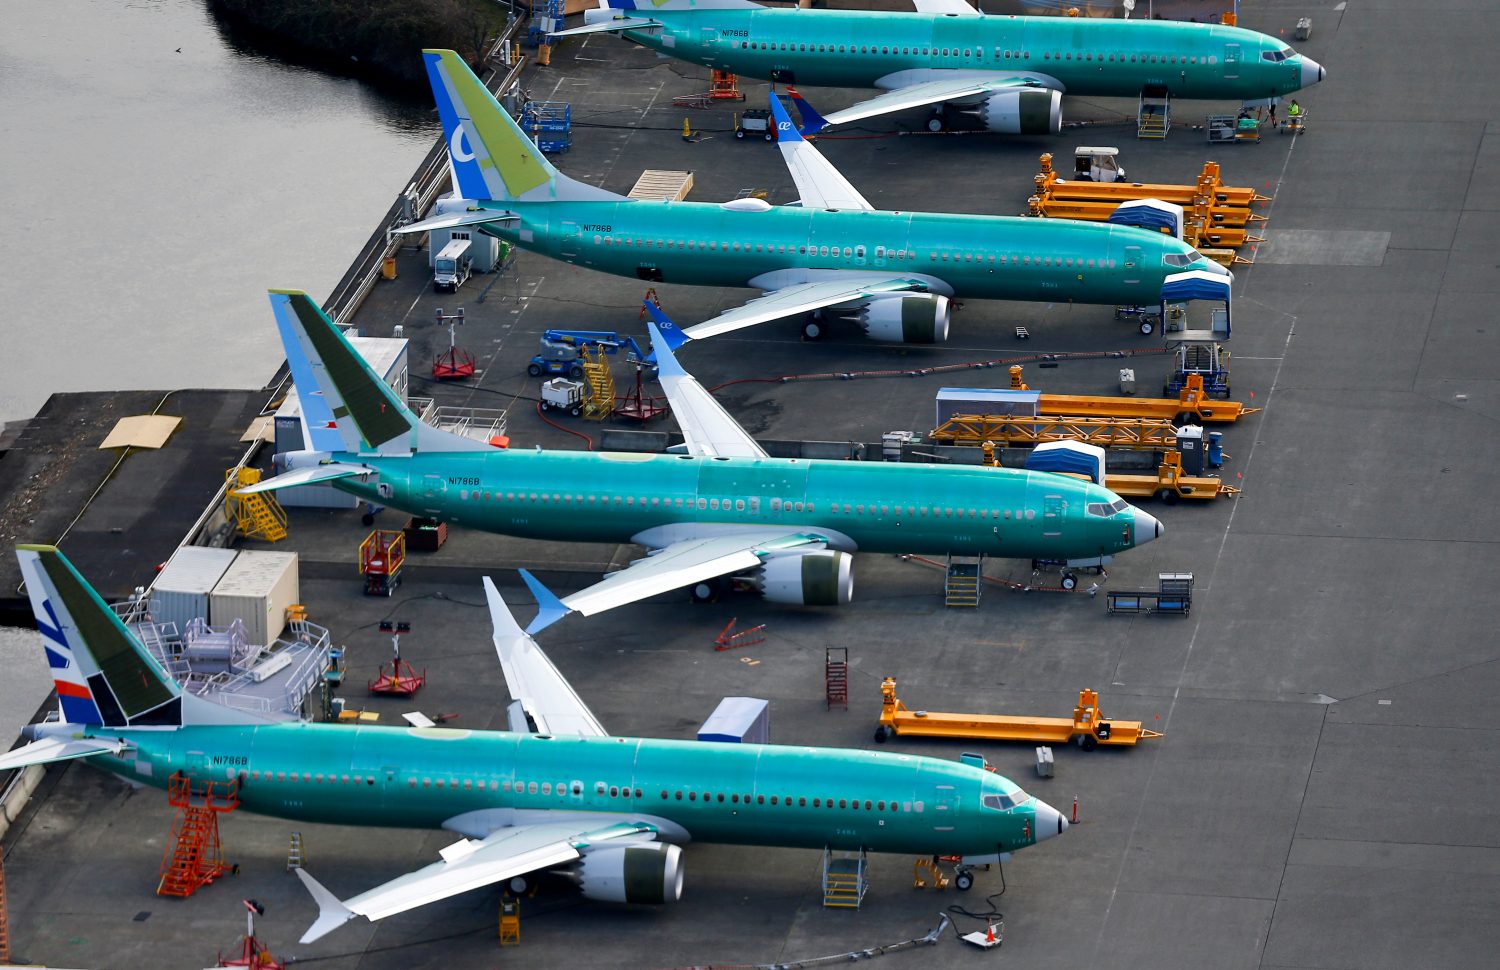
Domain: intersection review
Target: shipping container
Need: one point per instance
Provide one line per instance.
(738, 720)
(257, 589)
(181, 590)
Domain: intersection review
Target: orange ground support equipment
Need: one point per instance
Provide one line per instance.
(381, 557)
(253, 953)
(398, 677)
(194, 857)
(1088, 726)
(724, 86)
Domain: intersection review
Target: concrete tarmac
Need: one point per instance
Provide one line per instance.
(1323, 795)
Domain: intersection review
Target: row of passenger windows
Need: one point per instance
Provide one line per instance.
(752, 505)
(802, 801)
(851, 252)
(1001, 54)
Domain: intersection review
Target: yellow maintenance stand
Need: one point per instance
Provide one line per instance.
(1191, 406)
(1088, 726)
(1210, 186)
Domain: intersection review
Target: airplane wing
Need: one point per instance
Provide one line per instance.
(927, 92)
(803, 298)
(956, 8)
(671, 567)
(707, 428)
(608, 26)
(547, 699)
(452, 220)
(306, 476)
(818, 183)
(48, 750)
(468, 864)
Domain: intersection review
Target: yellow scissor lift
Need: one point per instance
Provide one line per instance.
(1088, 726)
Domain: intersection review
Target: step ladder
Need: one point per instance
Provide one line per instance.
(294, 856)
(961, 585)
(600, 400)
(4, 919)
(194, 857)
(844, 879)
(510, 920)
(1153, 118)
(836, 677)
(254, 516)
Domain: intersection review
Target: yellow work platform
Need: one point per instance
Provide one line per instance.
(1210, 187)
(1191, 405)
(1141, 434)
(1169, 483)
(1088, 726)
(1052, 207)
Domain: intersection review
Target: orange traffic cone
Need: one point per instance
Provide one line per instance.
(989, 936)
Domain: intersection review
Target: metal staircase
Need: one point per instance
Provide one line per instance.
(254, 516)
(836, 676)
(600, 402)
(1153, 117)
(194, 857)
(844, 879)
(961, 586)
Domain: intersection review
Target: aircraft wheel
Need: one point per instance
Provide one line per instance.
(1147, 326)
(535, 370)
(1069, 581)
(518, 885)
(812, 330)
(964, 880)
(707, 591)
(936, 123)
(367, 519)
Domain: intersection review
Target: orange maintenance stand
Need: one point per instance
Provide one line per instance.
(1088, 726)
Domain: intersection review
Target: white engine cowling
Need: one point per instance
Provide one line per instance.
(822, 578)
(648, 872)
(915, 318)
(1025, 111)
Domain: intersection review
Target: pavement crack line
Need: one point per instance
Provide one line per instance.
(1286, 861)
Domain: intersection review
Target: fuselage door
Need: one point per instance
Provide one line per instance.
(1053, 507)
(708, 42)
(1231, 61)
(434, 493)
(1133, 258)
(568, 244)
(944, 808)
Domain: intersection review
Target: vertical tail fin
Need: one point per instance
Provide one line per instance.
(492, 157)
(103, 674)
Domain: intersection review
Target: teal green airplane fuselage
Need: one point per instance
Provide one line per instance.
(970, 256)
(1085, 56)
(866, 506)
(709, 791)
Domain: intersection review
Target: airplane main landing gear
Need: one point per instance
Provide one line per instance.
(812, 329)
(963, 879)
(937, 121)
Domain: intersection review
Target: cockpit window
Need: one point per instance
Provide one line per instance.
(1107, 508)
(1277, 56)
(1179, 259)
(1006, 800)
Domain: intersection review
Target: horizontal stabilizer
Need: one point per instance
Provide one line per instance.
(57, 749)
(306, 476)
(607, 26)
(452, 220)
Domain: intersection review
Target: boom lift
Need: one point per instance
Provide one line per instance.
(562, 351)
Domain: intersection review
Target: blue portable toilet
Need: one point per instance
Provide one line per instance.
(738, 720)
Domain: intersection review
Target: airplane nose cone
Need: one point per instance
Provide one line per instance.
(1207, 265)
(1049, 821)
(1312, 72)
(1147, 527)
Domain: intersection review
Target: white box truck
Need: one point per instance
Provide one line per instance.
(452, 266)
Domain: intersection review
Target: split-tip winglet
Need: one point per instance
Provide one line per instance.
(332, 913)
(785, 130)
(549, 609)
(671, 334)
(812, 122)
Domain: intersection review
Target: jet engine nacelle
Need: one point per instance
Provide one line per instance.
(649, 872)
(822, 578)
(916, 318)
(1026, 111)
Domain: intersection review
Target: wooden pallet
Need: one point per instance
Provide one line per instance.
(662, 185)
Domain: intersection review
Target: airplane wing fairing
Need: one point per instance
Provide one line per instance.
(804, 298)
(468, 864)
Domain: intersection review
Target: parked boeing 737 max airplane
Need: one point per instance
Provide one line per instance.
(1011, 72)
(891, 272)
(555, 793)
(724, 509)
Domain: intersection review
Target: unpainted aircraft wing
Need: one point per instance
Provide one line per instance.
(452, 220)
(48, 750)
(957, 8)
(925, 93)
(306, 476)
(468, 864)
(707, 429)
(684, 563)
(549, 700)
(818, 183)
(608, 26)
(845, 287)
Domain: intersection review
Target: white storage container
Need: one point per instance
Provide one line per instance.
(257, 589)
(184, 583)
